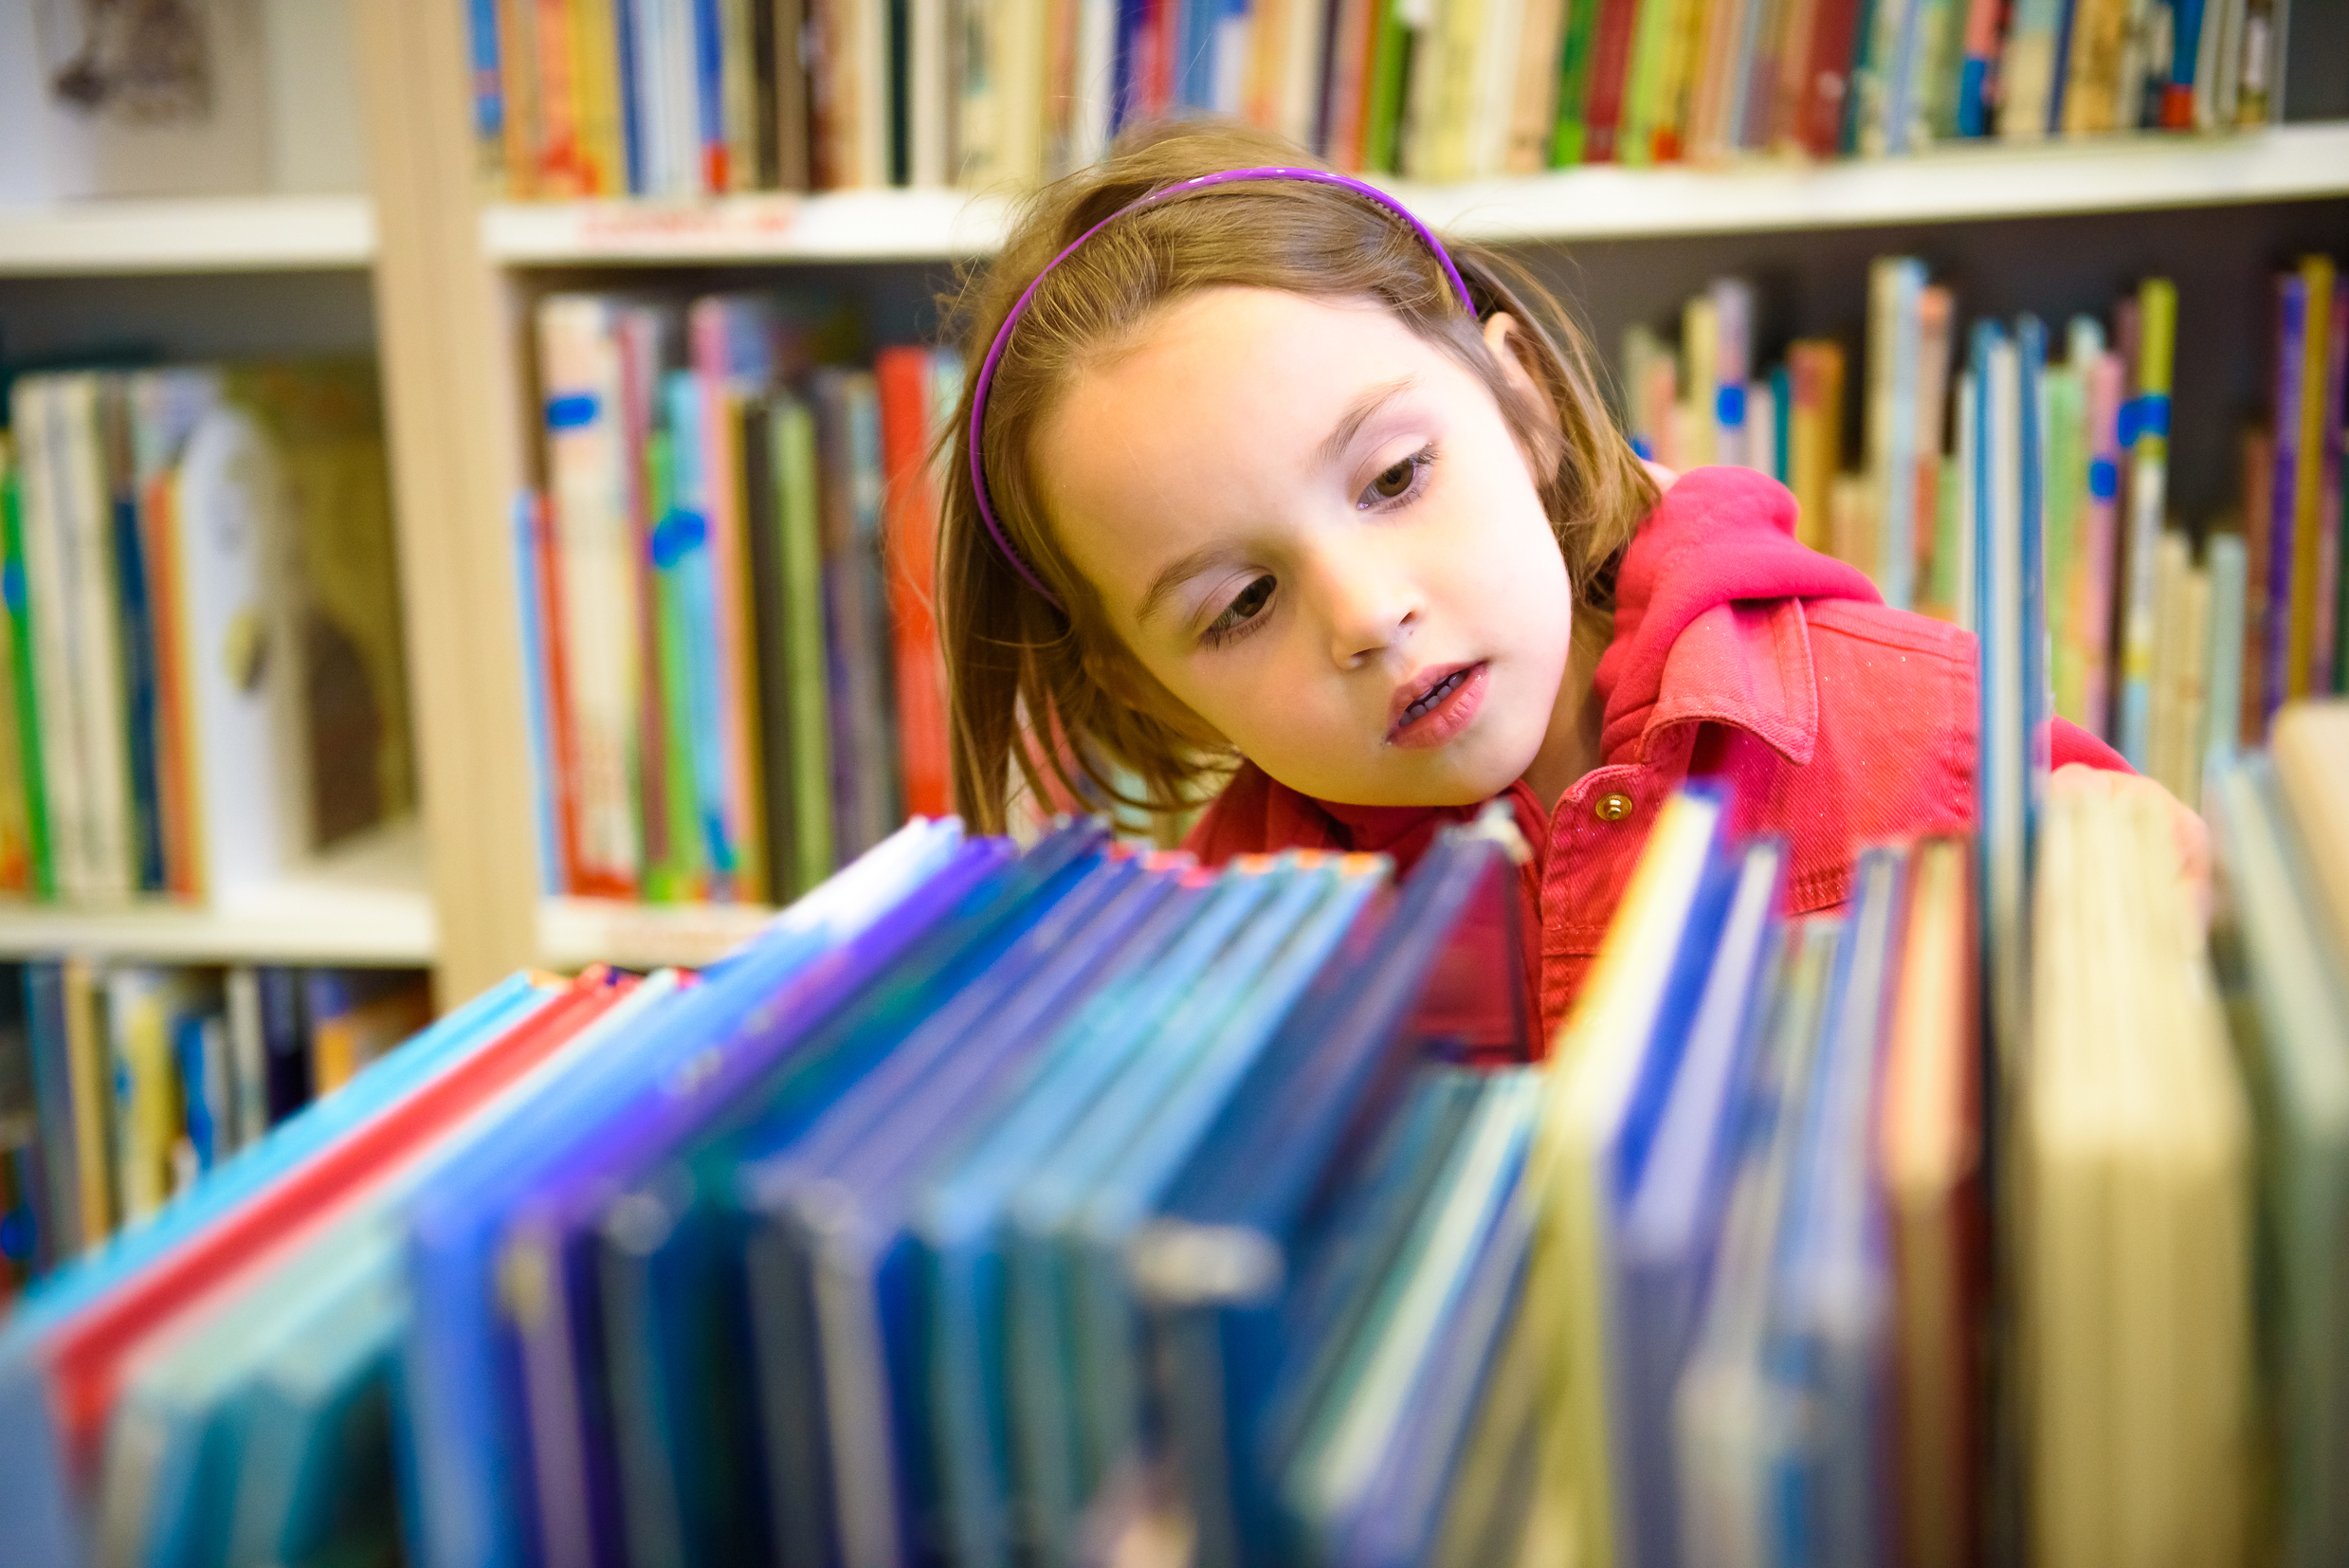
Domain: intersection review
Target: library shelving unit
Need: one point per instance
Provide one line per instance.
(68, 268)
(2054, 228)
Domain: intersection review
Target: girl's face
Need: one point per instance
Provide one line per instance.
(1316, 531)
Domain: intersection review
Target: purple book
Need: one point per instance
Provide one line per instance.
(2291, 345)
(2326, 675)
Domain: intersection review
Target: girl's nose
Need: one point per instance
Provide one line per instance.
(1369, 608)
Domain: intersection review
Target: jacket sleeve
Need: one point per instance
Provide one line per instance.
(2070, 744)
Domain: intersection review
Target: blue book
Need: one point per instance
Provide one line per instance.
(554, 876)
(1670, 1222)
(830, 1258)
(1368, 1482)
(1258, 1201)
(36, 1494)
(1829, 1343)
(684, 1437)
(463, 1467)
(681, 554)
(1118, 1173)
(960, 1216)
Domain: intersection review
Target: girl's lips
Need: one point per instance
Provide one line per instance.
(1440, 707)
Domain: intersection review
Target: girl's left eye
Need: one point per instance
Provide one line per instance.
(1396, 482)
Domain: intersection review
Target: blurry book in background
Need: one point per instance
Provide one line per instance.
(204, 618)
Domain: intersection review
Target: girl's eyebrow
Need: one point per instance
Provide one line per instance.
(1359, 414)
(1178, 572)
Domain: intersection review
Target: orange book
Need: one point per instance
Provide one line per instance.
(559, 164)
(183, 847)
(911, 517)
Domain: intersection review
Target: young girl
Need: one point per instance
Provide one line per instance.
(1259, 493)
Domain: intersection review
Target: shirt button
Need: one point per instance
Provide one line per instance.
(1613, 807)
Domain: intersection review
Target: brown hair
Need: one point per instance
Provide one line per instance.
(1052, 692)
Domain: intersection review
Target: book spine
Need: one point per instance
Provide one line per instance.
(739, 93)
(1534, 91)
(559, 163)
(586, 471)
(16, 872)
(285, 1039)
(902, 376)
(2224, 559)
(595, 78)
(2027, 72)
(248, 1056)
(627, 86)
(2106, 390)
(2068, 485)
(102, 685)
(2316, 274)
(90, 1075)
(518, 90)
(1610, 65)
(530, 604)
(67, 1233)
(640, 337)
(2148, 445)
(1570, 129)
(2325, 667)
(1821, 109)
(147, 1114)
(2259, 473)
(2030, 348)
(1975, 67)
(1936, 331)
(712, 162)
(684, 553)
(17, 597)
(807, 636)
(488, 94)
(135, 632)
(183, 844)
(731, 359)
(2291, 350)
(1644, 70)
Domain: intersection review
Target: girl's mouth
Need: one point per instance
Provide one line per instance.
(1438, 706)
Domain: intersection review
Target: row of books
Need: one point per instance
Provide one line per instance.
(204, 676)
(726, 595)
(2165, 647)
(121, 1083)
(1042, 1205)
(688, 97)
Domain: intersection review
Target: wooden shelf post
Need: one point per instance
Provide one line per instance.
(450, 412)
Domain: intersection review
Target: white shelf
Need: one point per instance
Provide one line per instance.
(575, 932)
(209, 234)
(361, 903)
(845, 226)
(1599, 203)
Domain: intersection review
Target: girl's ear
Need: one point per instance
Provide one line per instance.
(1502, 337)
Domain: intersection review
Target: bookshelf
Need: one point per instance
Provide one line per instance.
(213, 234)
(361, 903)
(1959, 185)
(2053, 228)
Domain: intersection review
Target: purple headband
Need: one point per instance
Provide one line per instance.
(1002, 332)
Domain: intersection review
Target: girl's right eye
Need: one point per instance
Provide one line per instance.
(1242, 614)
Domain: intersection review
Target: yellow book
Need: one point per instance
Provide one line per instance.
(1594, 1064)
(1699, 346)
(2133, 1198)
(2309, 473)
(90, 1077)
(596, 99)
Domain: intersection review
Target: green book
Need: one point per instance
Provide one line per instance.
(1573, 81)
(16, 595)
(1644, 95)
(675, 532)
(1389, 90)
(2064, 397)
(806, 666)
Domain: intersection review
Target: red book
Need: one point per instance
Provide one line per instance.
(1611, 65)
(562, 741)
(1819, 111)
(910, 516)
(88, 1354)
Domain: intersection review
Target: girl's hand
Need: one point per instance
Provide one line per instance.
(2187, 831)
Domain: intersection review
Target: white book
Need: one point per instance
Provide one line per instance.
(2225, 561)
(248, 1062)
(1761, 428)
(51, 610)
(1733, 365)
(1492, 106)
(1300, 75)
(596, 566)
(248, 775)
(928, 106)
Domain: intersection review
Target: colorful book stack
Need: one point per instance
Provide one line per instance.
(1055, 1203)
(688, 98)
(2172, 649)
(735, 674)
(121, 1084)
(205, 680)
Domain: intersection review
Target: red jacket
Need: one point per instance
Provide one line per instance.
(1738, 654)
